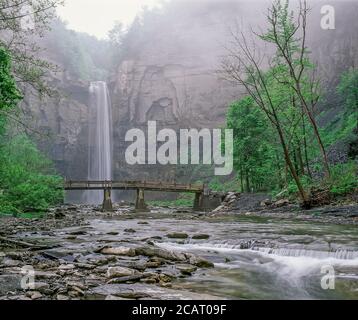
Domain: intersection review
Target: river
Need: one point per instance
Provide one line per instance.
(254, 257)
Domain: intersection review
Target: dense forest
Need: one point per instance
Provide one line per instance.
(279, 116)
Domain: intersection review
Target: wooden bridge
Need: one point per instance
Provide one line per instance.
(201, 193)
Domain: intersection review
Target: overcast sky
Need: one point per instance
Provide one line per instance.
(97, 17)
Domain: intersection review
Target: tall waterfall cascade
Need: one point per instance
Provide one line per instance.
(100, 138)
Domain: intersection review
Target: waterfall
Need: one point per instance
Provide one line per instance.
(100, 138)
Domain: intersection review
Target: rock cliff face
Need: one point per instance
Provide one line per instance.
(170, 75)
(63, 127)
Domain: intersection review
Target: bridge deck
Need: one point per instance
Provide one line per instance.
(133, 185)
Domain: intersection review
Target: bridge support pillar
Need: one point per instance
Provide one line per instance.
(107, 201)
(140, 204)
(198, 201)
(206, 201)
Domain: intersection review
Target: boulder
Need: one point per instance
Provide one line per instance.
(116, 272)
(119, 251)
(200, 237)
(266, 203)
(41, 287)
(200, 262)
(130, 231)
(133, 278)
(62, 297)
(35, 295)
(186, 268)
(152, 251)
(177, 235)
(281, 203)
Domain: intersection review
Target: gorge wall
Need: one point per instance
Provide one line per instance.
(168, 73)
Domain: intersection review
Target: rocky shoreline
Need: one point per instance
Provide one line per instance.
(113, 270)
(109, 267)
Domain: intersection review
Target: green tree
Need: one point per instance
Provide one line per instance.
(288, 34)
(255, 157)
(28, 181)
(22, 22)
(348, 89)
(9, 94)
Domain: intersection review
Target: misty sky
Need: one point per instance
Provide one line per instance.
(97, 17)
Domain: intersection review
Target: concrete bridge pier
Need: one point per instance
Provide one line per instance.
(107, 201)
(140, 204)
(206, 201)
(198, 201)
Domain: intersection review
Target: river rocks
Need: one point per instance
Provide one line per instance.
(229, 202)
(42, 287)
(114, 298)
(200, 262)
(11, 263)
(154, 263)
(9, 282)
(151, 251)
(116, 272)
(71, 238)
(130, 230)
(266, 203)
(124, 279)
(85, 266)
(113, 233)
(177, 235)
(34, 295)
(78, 233)
(119, 251)
(59, 214)
(186, 268)
(45, 275)
(140, 291)
(66, 267)
(281, 203)
(200, 237)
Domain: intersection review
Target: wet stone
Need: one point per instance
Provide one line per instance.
(113, 233)
(115, 272)
(177, 235)
(200, 237)
(186, 268)
(130, 231)
(120, 251)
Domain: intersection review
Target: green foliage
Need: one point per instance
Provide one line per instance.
(27, 179)
(183, 200)
(344, 178)
(9, 94)
(255, 149)
(81, 55)
(343, 181)
(224, 186)
(348, 89)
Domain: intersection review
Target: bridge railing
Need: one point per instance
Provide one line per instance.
(132, 185)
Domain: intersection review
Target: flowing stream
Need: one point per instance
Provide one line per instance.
(255, 258)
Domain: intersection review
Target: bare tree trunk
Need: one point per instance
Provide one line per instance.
(305, 148)
(305, 199)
